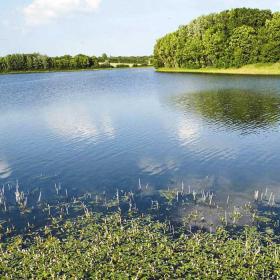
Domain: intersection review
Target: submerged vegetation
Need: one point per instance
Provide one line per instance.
(232, 38)
(138, 235)
(38, 62)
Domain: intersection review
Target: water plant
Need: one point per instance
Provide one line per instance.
(94, 236)
(137, 247)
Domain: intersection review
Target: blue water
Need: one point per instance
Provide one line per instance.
(102, 130)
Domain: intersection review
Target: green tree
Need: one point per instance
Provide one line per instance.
(243, 46)
(231, 38)
(36, 61)
(270, 37)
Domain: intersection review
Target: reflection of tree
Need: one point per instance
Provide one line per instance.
(240, 108)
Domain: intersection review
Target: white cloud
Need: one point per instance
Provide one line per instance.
(93, 3)
(43, 11)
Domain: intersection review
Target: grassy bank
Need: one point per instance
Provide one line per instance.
(252, 69)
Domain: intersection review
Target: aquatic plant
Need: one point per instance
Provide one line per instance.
(137, 247)
(94, 236)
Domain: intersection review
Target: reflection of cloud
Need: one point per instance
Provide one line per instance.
(187, 130)
(5, 170)
(107, 126)
(208, 146)
(76, 122)
(155, 167)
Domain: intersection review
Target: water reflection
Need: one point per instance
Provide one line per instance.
(97, 131)
(153, 166)
(188, 130)
(5, 170)
(236, 108)
(78, 121)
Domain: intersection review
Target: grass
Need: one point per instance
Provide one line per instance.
(252, 69)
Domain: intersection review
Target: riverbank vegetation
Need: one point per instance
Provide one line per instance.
(232, 38)
(252, 69)
(38, 63)
(138, 235)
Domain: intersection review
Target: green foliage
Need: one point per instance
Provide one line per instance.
(38, 62)
(112, 247)
(130, 59)
(232, 38)
(242, 46)
(270, 39)
(122, 66)
(100, 238)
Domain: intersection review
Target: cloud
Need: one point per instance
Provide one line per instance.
(44, 11)
(93, 3)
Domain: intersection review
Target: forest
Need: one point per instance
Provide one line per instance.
(38, 62)
(232, 38)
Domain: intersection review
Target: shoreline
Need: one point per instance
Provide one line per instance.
(262, 69)
(70, 70)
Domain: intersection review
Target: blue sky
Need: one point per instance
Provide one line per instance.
(116, 27)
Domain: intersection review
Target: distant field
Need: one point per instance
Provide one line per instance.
(252, 69)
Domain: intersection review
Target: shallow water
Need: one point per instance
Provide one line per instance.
(102, 130)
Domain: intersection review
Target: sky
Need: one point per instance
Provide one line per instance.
(94, 27)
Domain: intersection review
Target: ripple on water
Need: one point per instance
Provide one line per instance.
(112, 127)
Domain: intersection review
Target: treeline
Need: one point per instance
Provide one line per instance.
(131, 59)
(232, 38)
(38, 62)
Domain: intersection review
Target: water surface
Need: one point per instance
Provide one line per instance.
(102, 130)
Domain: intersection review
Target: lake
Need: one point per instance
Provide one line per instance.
(102, 130)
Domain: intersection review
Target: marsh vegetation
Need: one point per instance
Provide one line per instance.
(139, 235)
